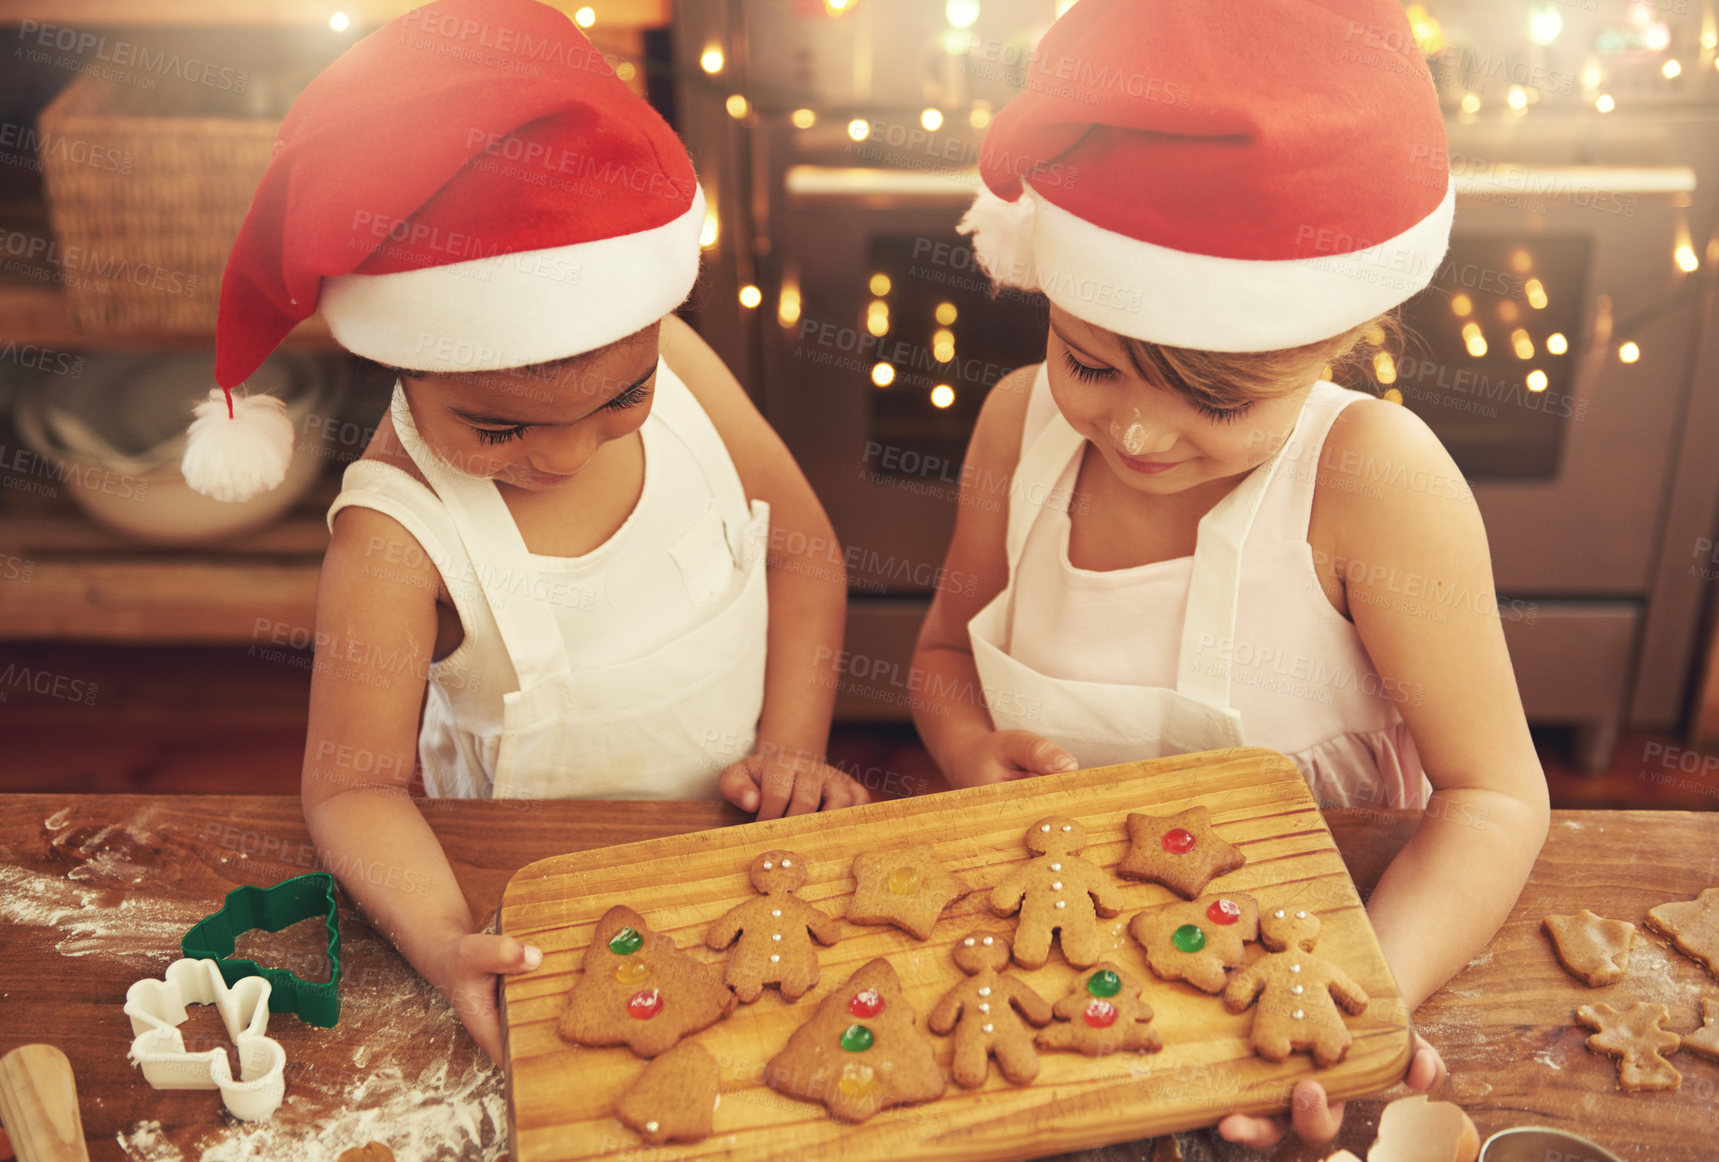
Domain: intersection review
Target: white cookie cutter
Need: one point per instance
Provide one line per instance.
(157, 1008)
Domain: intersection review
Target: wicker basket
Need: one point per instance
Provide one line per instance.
(144, 237)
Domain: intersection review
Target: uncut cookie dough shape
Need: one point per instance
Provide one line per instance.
(906, 887)
(1591, 948)
(1692, 925)
(861, 1051)
(1637, 1037)
(1101, 1014)
(982, 1012)
(638, 990)
(1298, 993)
(1198, 940)
(675, 1099)
(1180, 851)
(1058, 892)
(774, 947)
(1705, 1040)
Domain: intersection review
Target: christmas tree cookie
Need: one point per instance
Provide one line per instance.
(1180, 851)
(1102, 1013)
(1298, 993)
(1198, 940)
(1057, 893)
(774, 946)
(861, 1052)
(982, 1012)
(638, 990)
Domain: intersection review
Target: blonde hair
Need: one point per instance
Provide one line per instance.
(1228, 379)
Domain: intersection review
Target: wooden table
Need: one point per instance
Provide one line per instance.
(96, 890)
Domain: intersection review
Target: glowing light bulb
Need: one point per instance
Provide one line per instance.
(979, 116)
(877, 318)
(1556, 344)
(712, 227)
(712, 60)
(1671, 69)
(1686, 260)
(931, 119)
(879, 284)
(942, 396)
(1392, 395)
(836, 7)
(750, 296)
(803, 118)
(943, 345)
(1384, 367)
(585, 17)
(625, 71)
(859, 129)
(1517, 98)
(1604, 103)
(961, 13)
(1544, 23)
(1537, 380)
(882, 374)
(945, 313)
(1629, 353)
(1461, 305)
(788, 306)
(1471, 103)
(1473, 339)
(1536, 293)
(1521, 261)
(1522, 344)
(340, 22)
(737, 106)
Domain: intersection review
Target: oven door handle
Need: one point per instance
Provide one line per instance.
(828, 181)
(1570, 181)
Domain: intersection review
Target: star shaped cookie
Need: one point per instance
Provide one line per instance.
(1693, 926)
(906, 887)
(1637, 1037)
(1180, 851)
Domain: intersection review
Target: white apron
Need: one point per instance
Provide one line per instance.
(1101, 723)
(660, 726)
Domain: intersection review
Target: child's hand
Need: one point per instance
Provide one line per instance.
(1003, 755)
(788, 784)
(1317, 1121)
(465, 971)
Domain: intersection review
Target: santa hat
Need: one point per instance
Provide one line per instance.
(470, 188)
(1233, 175)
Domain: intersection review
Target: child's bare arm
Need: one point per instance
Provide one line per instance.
(950, 711)
(375, 642)
(808, 598)
(1417, 577)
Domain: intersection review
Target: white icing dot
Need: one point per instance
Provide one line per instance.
(1301, 915)
(986, 1027)
(984, 1006)
(1295, 968)
(1278, 913)
(1066, 827)
(787, 863)
(1296, 989)
(1044, 827)
(988, 941)
(775, 936)
(650, 1127)
(768, 865)
(1062, 903)
(1298, 1014)
(1056, 885)
(776, 913)
(985, 990)
(1056, 867)
(968, 942)
(774, 958)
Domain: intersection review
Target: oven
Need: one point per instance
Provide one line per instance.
(1559, 353)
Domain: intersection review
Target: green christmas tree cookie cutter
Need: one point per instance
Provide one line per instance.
(215, 937)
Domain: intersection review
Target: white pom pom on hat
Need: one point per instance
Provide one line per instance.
(237, 448)
(1227, 176)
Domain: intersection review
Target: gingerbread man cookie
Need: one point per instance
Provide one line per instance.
(1057, 893)
(1102, 1013)
(907, 888)
(1593, 949)
(774, 947)
(638, 990)
(1198, 940)
(984, 1005)
(1637, 1037)
(861, 1051)
(675, 1099)
(1180, 851)
(1296, 1010)
(1692, 925)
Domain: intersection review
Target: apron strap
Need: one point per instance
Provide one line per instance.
(1042, 464)
(500, 561)
(679, 410)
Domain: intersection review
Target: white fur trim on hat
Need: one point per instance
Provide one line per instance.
(513, 310)
(1202, 301)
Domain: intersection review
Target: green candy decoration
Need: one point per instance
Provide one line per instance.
(1188, 938)
(626, 942)
(1104, 984)
(856, 1038)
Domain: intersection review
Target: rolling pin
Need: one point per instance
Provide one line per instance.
(39, 1105)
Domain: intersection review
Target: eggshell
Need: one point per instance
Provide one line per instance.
(1414, 1129)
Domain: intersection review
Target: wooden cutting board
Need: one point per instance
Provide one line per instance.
(560, 1096)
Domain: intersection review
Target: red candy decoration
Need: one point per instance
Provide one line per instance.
(1100, 1014)
(1223, 912)
(645, 1005)
(866, 1003)
(1178, 841)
